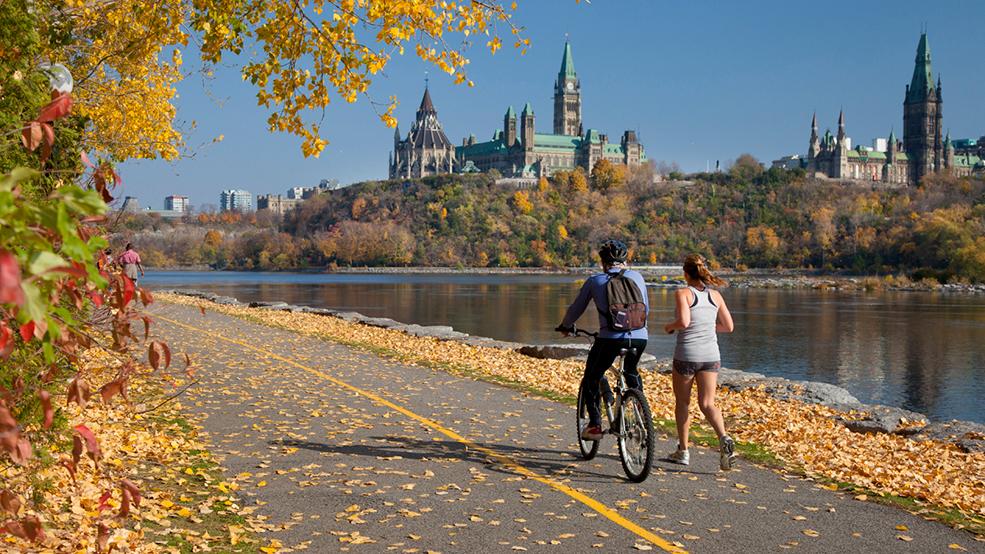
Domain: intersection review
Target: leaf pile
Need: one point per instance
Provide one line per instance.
(802, 435)
(147, 485)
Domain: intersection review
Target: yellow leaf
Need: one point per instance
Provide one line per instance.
(811, 533)
(902, 527)
(904, 538)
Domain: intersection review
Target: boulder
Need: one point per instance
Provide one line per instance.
(351, 317)
(490, 343)
(967, 435)
(885, 419)
(226, 301)
(555, 351)
(384, 322)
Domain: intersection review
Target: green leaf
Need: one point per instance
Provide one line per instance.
(45, 261)
(34, 306)
(10, 180)
(49, 352)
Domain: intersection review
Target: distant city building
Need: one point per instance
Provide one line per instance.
(880, 144)
(294, 193)
(166, 214)
(922, 151)
(176, 203)
(235, 200)
(130, 205)
(516, 150)
(276, 204)
(788, 162)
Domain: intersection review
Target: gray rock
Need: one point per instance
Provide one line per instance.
(490, 343)
(278, 305)
(226, 301)
(555, 351)
(884, 419)
(383, 322)
(972, 445)
(953, 431)
(351, 317)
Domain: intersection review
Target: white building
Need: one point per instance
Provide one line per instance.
(236, 200)
(175, 203)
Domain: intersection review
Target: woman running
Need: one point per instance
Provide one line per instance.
(701, 314)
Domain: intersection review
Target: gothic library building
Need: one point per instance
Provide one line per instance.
(923, 150)
(516, 150)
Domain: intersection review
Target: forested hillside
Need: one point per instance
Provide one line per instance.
(746, 217)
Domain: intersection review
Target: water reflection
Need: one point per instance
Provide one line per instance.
(922, 351)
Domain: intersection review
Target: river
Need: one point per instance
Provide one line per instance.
(921, 351)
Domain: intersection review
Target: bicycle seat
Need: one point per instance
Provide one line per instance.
(624, 351)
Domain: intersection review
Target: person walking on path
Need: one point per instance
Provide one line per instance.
(130, 261)
(611, 339)
(701, 315)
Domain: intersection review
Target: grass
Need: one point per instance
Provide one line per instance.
(754, 453)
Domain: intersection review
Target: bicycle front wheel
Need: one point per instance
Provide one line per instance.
(588, 448)
(636, 436)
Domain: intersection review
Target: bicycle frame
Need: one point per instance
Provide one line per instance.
(613, 411)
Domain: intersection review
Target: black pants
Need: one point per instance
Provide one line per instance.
(600, 358)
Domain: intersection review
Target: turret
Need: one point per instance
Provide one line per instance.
(509, 127)
(567, 97)
(841, 129)
(527, 127)
(922, 117)
(815, 145)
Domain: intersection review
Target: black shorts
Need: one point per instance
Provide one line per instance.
(690, 369)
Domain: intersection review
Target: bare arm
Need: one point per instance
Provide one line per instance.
(683, 311)
(723, 324)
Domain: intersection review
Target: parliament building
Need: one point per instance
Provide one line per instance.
(516, 150)
(922, 151)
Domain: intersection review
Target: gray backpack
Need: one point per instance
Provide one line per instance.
(627, 310)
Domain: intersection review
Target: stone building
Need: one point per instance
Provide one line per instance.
(276, 203)
(426, 150)
(518, 150)
(922, 151)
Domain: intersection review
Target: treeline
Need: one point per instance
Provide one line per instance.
(746, 217)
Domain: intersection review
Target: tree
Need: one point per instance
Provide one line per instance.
(745, 168)
(301, 56)
(607, 176)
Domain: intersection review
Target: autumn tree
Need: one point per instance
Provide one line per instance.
(607, 176)
(746, 168)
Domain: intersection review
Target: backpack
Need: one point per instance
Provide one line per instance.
(627, 310)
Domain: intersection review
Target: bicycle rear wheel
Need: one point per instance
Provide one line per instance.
(588, 448)
(636, 436)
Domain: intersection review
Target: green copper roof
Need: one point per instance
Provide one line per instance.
(510, 113)
(480, 148)
(922, 81)
(527, 109)
(966, 160)
(567, 64)
(556, 141)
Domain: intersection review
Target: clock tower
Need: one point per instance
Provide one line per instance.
(567, 98)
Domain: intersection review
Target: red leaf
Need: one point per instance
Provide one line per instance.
(97, 298)
(6, 345)
(76, 453)
(85, 159)
(104, 500)
(56, 109)
(202, 309)
(48, 133)
(9, 433)
(188, 366)
(100, 181)
(130, 494)
(10, 280)
(147, 321)
(31, 135)
(22, 452)
(9, 502)
(111, 389)
(156, 351)
(49, 413)
(28, 528)
(146, 297)
(27, 331)
(128, 290)
(78, 390)
(92, 445)
(102, 537)
(69, 464)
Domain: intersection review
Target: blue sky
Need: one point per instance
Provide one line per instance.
(700, 81)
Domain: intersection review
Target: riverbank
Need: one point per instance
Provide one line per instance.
(781, 418)
(669, 275)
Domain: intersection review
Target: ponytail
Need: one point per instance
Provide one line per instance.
(696, 268)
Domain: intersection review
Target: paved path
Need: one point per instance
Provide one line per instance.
(343, 447)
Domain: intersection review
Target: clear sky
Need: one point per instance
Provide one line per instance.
(700, 81)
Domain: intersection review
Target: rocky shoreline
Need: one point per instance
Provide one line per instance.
(856, 416)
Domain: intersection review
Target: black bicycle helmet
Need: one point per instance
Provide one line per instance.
(613, 251)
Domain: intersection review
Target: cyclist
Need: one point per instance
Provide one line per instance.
(613, 255)
(701, 314)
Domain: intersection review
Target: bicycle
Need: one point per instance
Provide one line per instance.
(630, 419)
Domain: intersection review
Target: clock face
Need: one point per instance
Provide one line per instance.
(571, 86)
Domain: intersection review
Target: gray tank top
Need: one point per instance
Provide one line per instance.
(699, 342)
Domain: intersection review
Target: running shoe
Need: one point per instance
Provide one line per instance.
(592, 433)
(727, 453)
(682, 457)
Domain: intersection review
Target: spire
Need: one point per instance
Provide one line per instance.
(892, 137)
(527, 109)
(510, 114)
(923, 80)
(567, 64)
(841, 127)
(426, 105)
(814, 122)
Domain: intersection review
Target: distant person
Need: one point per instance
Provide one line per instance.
(701, 314)
(130, 261)
(606, 348)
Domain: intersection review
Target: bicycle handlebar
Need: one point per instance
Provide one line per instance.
(576, 331)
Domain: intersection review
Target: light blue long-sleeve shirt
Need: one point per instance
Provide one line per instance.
(594, 289)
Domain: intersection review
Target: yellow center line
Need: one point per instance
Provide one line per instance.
(607, 512)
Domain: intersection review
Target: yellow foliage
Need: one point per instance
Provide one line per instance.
(562, 232)
(125, 56)
(522, 202)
